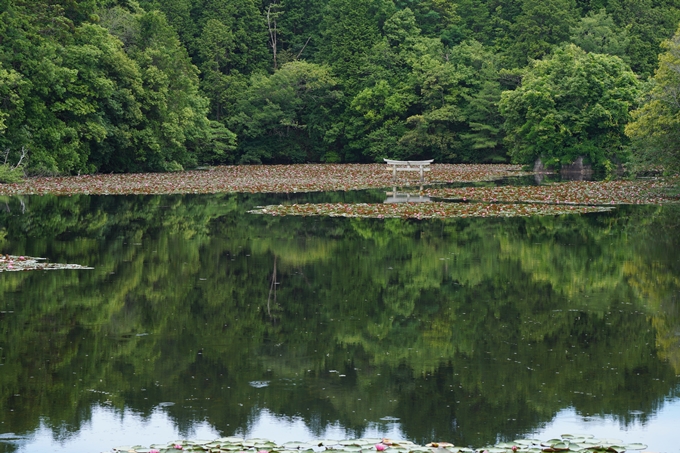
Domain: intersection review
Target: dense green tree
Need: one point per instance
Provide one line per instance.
(482, 133)
(426, 101)
(350, 28)
(436, 18)
(475, 21)
(655, 128)
(11, 83)
(181, 15)
(570, 104)
(174, 112)
(245, 49)
(284, 117)
(541, 25)
(121, 95)
(597, 33)
(649, 23)
(227, 41)
(300, 29)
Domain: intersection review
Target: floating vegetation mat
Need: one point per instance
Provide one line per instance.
(576, 197)
(436, 210)
(568, 442)
(256, 179)
(573, 192)
(10, 263)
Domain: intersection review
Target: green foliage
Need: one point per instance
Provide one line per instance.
(9, 174)
(118, 96)
(655, 129)
(541, 25)
(350, 28)
(649, 23)
(299, 29)
(570, 104)
(285, 117)
(597, 33)
(426, 101)
(436, 18)
(113, 85)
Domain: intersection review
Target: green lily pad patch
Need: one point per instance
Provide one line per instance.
(230, 444)
(11, 263)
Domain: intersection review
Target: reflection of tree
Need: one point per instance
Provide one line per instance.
(655, 277)
(465, 329)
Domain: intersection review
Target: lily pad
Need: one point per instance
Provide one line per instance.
(526, 441)
(236, 444)
(636, 446)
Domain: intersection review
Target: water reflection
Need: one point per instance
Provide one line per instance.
(468, 330)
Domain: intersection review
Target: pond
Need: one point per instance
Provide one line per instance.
(199, 319)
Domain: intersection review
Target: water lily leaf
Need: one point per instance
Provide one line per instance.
(611, 441)
(552, 442)
(525, 441)
(293, 445)
(636, 446)
(617, 448)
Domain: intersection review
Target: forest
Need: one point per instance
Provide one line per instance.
(94, 86)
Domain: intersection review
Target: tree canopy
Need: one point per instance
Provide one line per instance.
(655, 128)
(150, 85)
(569, 105)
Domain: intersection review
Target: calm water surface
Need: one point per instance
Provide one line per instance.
(200, 320)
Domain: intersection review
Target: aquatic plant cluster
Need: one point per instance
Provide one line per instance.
(427, 210)
(254, 179)
(572, 192)
(11, 263)
(567, 443)
(574, 197)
